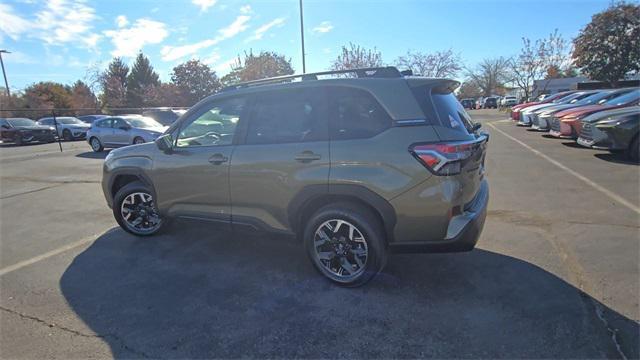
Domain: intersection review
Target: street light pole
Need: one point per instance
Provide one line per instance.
(304, 68)
(6, 84)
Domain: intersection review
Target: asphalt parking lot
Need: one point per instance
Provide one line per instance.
(555, 273)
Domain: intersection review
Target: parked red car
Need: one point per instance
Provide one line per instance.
(566, 124)
(516, 110)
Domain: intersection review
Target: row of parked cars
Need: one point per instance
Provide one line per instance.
(99, 130)
(491, 102)
(602, 119)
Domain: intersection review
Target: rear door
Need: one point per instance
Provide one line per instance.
(285, 150)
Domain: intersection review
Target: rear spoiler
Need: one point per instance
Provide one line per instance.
(439, 86)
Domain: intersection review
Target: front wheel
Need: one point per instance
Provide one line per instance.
(138, 140)
(345, 243)
(66, 135)
(96, 145)
(135, 210)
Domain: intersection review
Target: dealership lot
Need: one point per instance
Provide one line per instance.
(555, 273)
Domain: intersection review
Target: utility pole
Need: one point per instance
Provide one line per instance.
(6, 84)
(304, 68)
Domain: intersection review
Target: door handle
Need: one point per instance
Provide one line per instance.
(217, 159)
(307, 156)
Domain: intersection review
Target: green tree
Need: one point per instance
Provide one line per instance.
(354, 57)
(254, 67)
(608, 48)
(195, 81)
(113, 82)
(83, 98)
(141, 77)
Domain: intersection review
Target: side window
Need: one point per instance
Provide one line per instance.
(117, 123)
(106, 123)
(216, 126)
(288, 116)
(356, 114)
(47, 122)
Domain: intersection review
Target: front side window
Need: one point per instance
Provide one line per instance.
(106, 123)
(119, 123)
(288, 116)
(215, 127)
(356, 114)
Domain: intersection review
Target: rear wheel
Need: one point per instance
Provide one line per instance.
(135, 210)
(138, 140)
(345, 243)
(96, 145)
(633, 152)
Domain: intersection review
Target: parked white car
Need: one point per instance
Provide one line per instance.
(118, 131)
(69, 128)
(508, 101)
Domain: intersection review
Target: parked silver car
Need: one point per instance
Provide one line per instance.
(118, 131)
(69, 128)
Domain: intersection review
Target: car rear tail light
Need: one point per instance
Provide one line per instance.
(445, 158)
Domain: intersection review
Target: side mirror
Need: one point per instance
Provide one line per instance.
(165, 142)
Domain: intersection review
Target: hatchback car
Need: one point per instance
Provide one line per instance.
(117, 131)
(69, 128)
(354, 167)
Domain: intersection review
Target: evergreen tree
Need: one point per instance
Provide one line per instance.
(113, 82)
(140, 79)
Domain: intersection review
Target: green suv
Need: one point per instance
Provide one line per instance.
(357, 165)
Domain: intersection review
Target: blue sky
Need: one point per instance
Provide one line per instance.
(59, 40)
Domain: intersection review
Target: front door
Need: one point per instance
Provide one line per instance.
(192, 180)
(121, 134)
(286, 150)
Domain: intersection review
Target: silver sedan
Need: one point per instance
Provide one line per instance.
(118, 131)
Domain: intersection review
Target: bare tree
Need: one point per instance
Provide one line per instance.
(355, 56)
(528, 66)
(490, 75)
(438, 64)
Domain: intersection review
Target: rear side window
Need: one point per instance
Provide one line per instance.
(288, 116)
(451, 113)
(106, 123)
(355, 114)
(46, 122)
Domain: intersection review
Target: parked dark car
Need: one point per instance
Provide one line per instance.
(468, 103)
(622, 134)
(22, 130)
(163, 116)
(89, 119)
(490, 103)
(354, 167)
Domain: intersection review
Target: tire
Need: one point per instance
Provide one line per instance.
(96, 145)
(66, 135)
(325, 255)
(18, 140)
(633, 152)
(136, 190)
(138, 140)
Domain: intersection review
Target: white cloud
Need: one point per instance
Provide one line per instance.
(204, 4)
(12, 24)
(65, 21)
(324, 27)
(17, 57)
(122, 21)
(214, 57)
(259, 33)
(245, 9)
(171, 53)
(128, 41)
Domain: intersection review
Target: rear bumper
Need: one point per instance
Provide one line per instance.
(463, 231)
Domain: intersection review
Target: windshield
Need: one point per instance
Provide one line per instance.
(594, 98)
(68, 121)
(624, 99)
(143, 122)
(21, 122)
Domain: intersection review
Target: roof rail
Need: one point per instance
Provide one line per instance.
(371, 72)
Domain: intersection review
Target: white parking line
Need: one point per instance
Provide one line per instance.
(48, 254)
(576, 174)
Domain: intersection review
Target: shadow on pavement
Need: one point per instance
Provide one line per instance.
(94, 155)
(617, 158)
(199, 292)
(575, 145)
